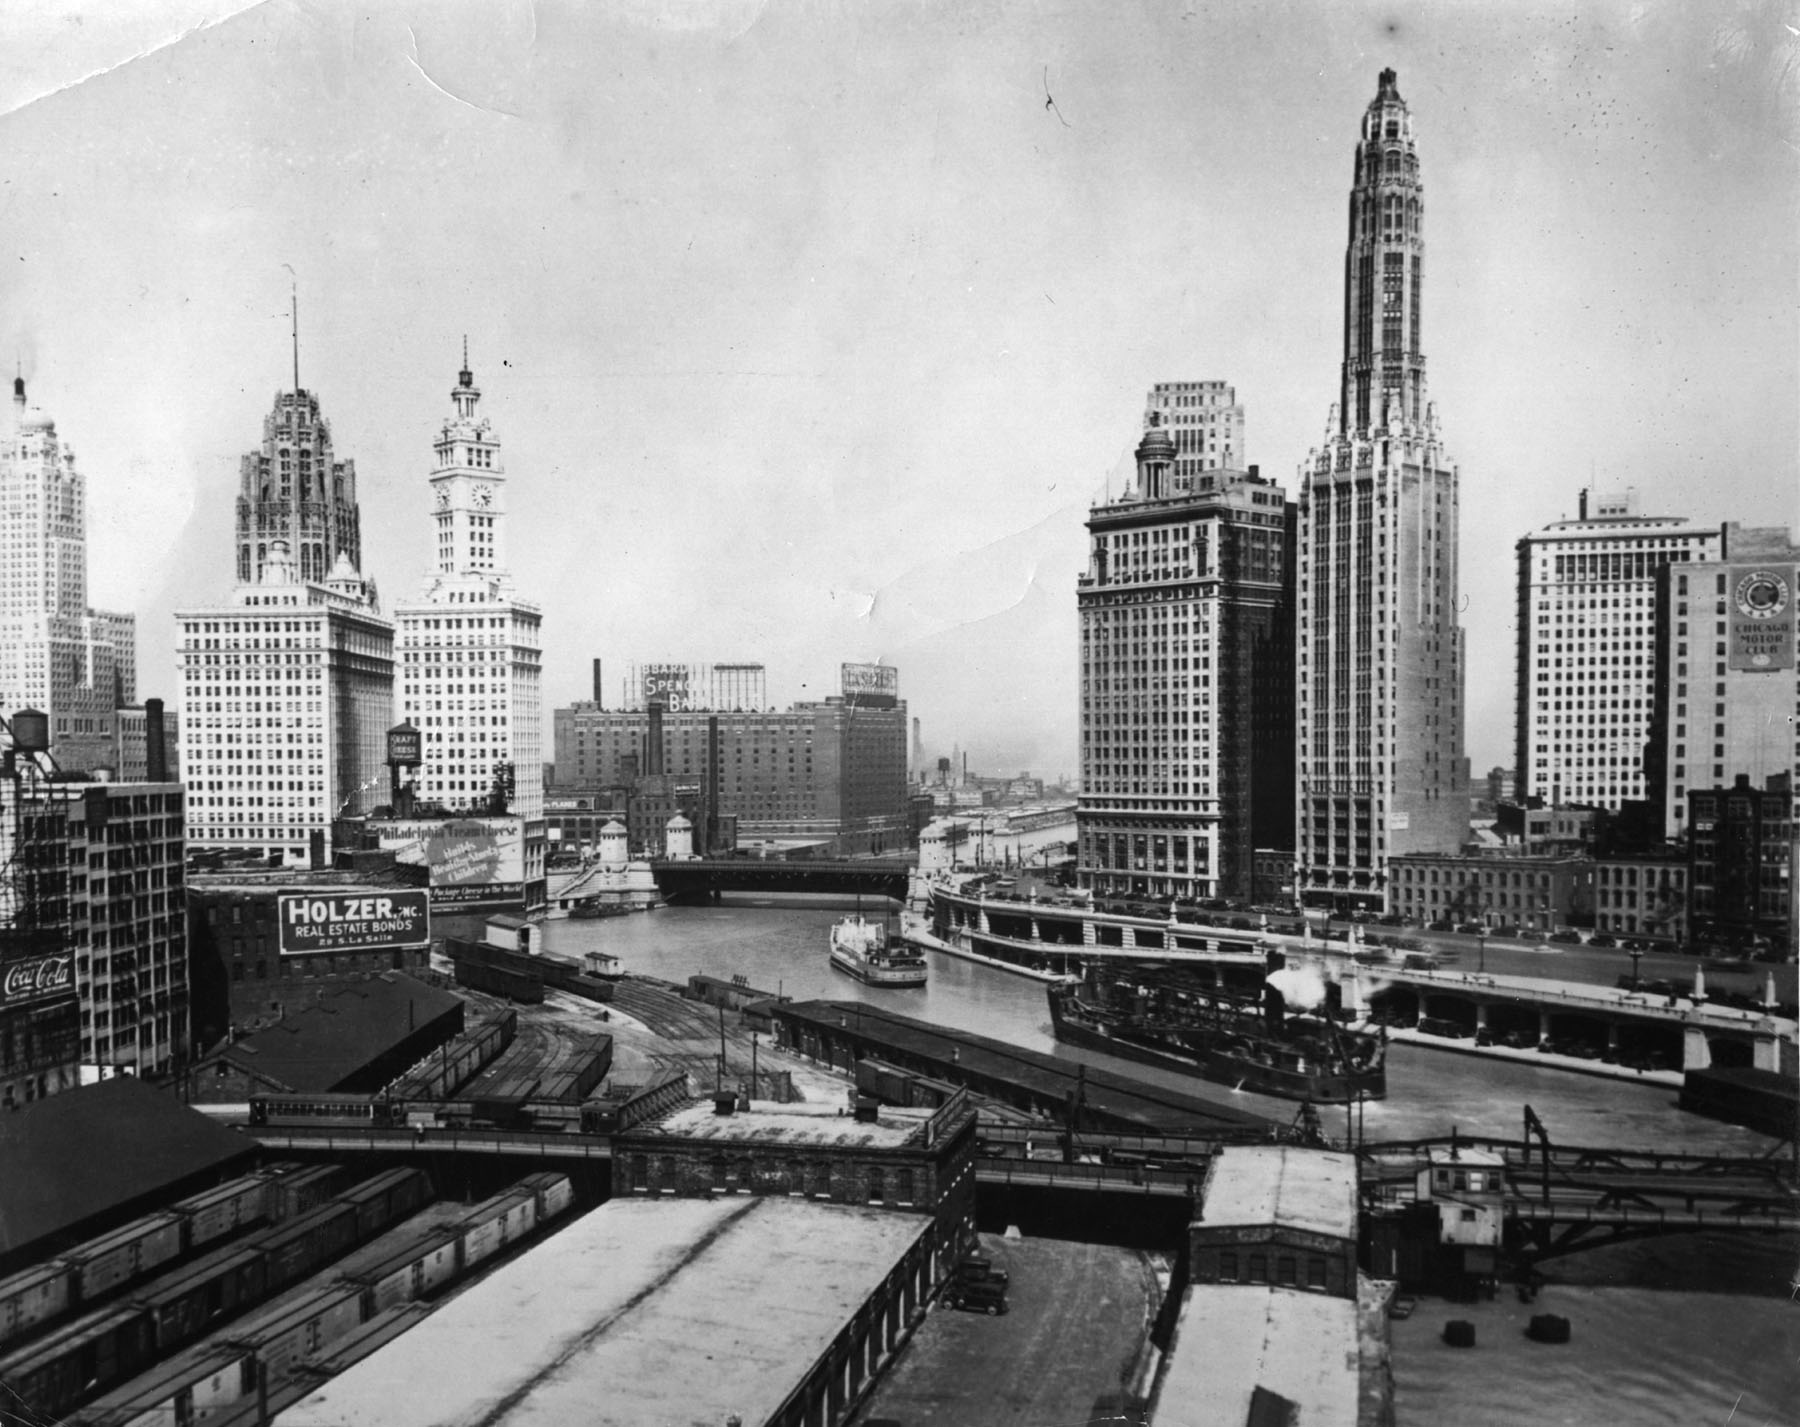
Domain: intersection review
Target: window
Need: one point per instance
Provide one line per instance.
(1228, 1266)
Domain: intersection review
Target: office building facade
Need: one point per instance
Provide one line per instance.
(1586, 648)
(57, 655)
(294, 489)
(828, 772)
(1725, 677)
(287, 691)
(1187, 640)
(1379, 754)
(470, 649)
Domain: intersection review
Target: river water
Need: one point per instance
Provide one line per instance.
(1678, 1331)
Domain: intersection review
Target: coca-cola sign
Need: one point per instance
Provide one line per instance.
(37, 979)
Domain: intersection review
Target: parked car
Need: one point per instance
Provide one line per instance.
(1441, 925)
(982, 1295)
(1470, 928)
(1601, 939)
(1567, 936)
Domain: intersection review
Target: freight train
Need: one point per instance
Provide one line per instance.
(94, 1270)
(119, 1338)
(272, 1359)
(521, 975)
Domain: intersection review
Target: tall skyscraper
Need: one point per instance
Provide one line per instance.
(470, 647)
(1379, 755)
(1587, 648)
(73, 663)
(294, 489)
(1187, 619)
(287, 685)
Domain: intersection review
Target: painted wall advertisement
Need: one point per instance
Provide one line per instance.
(670, 685)
(37, 978)
(1762, 617)
(351, 920)
(871, 685)
(477, 864)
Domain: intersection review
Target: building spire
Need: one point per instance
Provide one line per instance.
(296, 329)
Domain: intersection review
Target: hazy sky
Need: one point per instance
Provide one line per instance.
(812, 332)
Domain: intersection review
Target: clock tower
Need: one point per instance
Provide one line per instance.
(468, 487)
(469, 666)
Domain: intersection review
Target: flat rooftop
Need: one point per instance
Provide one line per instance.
(771, 1122)
(1233, 1339)
(640, 1312)
(1314, 1190)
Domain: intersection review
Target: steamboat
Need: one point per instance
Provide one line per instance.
(861, 948)
(1164, 1016)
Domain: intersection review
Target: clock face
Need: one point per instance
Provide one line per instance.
(484, 497)
(442, 495)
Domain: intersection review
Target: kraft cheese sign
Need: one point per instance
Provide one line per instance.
(313, 922)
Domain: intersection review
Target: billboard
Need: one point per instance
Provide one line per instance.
(37, 978)
(1762, 617)
(871, 685)
(343, 920)
(671, 685)
(404, 746)
(477, 864)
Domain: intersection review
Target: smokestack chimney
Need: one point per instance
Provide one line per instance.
(599, 689)
(653, 752)
(156, 752)
(316, 846)
(1581, 510)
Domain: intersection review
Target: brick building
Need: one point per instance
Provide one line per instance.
(1534, 894)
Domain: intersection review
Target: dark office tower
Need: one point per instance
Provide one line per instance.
(295, 489)
(1187, 673)
(1379, 756)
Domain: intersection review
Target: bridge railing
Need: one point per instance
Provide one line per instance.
(1044, 1173)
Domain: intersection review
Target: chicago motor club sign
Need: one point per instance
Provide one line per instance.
(37, 979)
(1762, 618)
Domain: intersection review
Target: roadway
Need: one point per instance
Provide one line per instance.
(1594, 965)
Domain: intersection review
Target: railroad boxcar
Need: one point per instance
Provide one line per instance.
(181, 1305)
(57, 1372)
(188, 1388)
(552, 1191)
(385, 1199)
(107, 1263)
(318, 1236)
(574, 1079)
(590, 988)
(35, 1296)
(418, 1267)
(304, 1189)
(495, 1223)
(301, 1328)
(523, 986)
(214, 1213)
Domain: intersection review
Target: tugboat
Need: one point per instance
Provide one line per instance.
(1231, 1038)
(861, 948)
(590, 908)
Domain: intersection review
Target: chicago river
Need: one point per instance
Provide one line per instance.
(1677, 1330)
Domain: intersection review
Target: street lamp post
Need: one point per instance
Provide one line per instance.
(1637, 956)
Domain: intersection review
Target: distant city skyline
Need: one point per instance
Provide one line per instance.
(817, 338)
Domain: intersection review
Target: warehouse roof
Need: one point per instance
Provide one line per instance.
(1234, 1343)
(642, 1311)
(1293, 1188)
(324, 1045)
(87, 1154)
(772, 1122)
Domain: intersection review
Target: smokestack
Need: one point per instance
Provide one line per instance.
(599, 688)
(653, 751)
(712, 784)
(1581, 508)
(316, 846)
(156, 752)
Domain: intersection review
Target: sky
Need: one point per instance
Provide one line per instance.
(813, 331)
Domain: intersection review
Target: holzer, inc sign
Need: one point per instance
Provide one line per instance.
(314, 922)
(37, 979)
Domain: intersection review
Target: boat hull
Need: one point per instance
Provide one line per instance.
(871, 974)
(1219, 1063)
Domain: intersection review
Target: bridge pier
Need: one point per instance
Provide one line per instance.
(1765, 1052)
(1696, 1054)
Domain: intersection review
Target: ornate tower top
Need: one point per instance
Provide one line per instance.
(469, 486)
(1383, 384)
